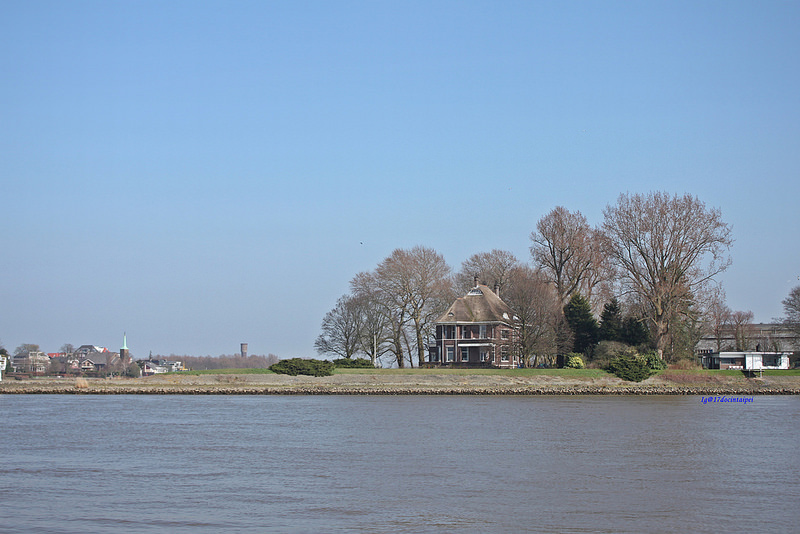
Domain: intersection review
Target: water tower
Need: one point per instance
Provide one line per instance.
(244, 350)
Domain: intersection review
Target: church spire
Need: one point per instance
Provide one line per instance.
(124, 341)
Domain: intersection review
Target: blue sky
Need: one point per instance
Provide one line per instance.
(200, 174)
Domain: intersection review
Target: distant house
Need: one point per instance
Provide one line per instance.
(92, 358)
(477, 330)
(746, 361)
(85, 350)
(173, 366)
(150, 368)
(89, 365)
(31, 362)
(774, 337)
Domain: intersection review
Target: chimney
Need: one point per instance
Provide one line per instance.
(476, 280)
(497, 289)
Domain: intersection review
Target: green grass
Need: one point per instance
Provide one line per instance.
(226, 372)
(574, 373)
(566, 373)
(734, 372)
(782, 372)
(706, 372)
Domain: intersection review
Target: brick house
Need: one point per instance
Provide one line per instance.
(477, 330)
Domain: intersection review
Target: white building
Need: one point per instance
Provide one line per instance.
(746, 361)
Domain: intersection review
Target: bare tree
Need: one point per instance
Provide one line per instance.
(667, 247)
(537, 308)
(791, 307)
(742, 323)
(563, 248)
(418, 282)
(374, 336)
(392, 312)
(718, 317)
(490, 267)
(341, 329)
(598, 282)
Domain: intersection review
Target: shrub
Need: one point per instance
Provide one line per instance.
(605, 351)
(354, 363)
(653, 361)
(574, 361)
(630, 368)
(299, 366)
(685, 364)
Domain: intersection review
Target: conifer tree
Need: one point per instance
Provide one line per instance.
(578, 313)
(611, 321)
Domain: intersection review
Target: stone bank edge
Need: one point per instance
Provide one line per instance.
(711, 392)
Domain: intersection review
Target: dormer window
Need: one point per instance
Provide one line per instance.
(475, 292)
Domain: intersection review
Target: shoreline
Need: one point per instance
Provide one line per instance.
(423, 384)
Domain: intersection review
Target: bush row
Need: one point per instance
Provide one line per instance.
(299, 366)
(354, 363)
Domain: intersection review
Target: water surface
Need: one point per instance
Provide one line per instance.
(397, 464)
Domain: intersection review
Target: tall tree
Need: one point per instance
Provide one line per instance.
(374, 339)
(536, 306)
(341, 329)
(411, 287)
(562, 246)
(742, 322)
(666, 247)
(392, 313)
(578, 314)
(25, 349)
(611, 322)
(718, 317)
(791, 307)
(598, 284)
(634, 331)
(491, 268)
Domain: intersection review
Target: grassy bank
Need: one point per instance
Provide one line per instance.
(564, 373)
(418, 381)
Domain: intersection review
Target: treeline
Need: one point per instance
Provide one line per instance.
(650, 266)
(225, 361)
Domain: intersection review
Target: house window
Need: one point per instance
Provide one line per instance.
(483, 331)
(504, 333)
(464, 354)
(450, 354)
(465, 332)
(504, 354)
(484, 355)
(449, 332)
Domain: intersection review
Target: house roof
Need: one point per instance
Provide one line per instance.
(479, 305)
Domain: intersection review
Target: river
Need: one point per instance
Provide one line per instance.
(297, 464)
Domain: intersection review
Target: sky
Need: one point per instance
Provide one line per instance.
(201, 174)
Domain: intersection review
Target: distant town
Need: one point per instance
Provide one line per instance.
(99, 361)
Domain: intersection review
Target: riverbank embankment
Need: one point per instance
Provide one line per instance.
(411, 383)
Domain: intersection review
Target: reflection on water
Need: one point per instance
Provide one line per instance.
(397, 463)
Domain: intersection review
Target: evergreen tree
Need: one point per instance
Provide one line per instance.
(578, 313)
(611, 321)
(634, 332)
